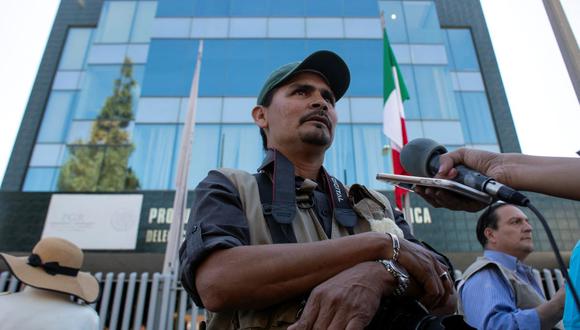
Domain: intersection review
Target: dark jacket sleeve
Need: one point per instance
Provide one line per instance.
(216, 221)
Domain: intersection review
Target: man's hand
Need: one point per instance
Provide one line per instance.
(552, 310)
(485, 162)
(433, 289)
(348, 300)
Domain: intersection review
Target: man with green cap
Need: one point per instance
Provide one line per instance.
(291, 246)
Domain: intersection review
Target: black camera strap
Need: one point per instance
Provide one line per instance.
(278, 198)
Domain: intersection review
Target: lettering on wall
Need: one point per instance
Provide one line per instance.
(418, 215)
(162, 218)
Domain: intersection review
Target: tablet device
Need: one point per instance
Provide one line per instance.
(410, 182)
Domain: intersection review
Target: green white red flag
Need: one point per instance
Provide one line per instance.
(394, 93)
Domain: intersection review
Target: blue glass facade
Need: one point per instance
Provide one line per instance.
(244, 41)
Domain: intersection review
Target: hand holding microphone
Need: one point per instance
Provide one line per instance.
(427, 158)
(556, 176)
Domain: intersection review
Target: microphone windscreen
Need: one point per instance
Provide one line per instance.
(416, 155)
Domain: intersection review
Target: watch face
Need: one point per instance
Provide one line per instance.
(399, 269)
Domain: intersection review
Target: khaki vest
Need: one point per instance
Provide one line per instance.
(307, 228)
(526, 296)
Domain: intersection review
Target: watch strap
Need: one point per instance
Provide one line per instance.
(401, 279)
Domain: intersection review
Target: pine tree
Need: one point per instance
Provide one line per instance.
(101, 164)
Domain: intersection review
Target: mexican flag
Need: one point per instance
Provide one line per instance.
(394, 93)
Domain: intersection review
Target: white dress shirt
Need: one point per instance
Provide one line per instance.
(36, 309)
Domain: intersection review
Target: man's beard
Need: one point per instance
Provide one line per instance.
(317, 138)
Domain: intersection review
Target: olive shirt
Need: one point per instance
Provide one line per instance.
(217, 221)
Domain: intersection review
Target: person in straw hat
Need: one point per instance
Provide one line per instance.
(51, 275)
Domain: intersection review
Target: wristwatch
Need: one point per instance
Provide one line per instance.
(399, 273)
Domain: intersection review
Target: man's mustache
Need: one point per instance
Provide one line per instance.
(318, 115)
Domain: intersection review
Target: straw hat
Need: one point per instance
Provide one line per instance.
(54, 265)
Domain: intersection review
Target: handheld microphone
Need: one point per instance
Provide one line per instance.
(420, 157)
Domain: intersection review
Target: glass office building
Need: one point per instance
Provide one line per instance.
(108, 107)
(244, 41)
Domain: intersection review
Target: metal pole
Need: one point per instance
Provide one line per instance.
(180, 200)
(566, 41)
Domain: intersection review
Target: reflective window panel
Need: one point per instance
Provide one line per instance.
(143, 21)
(98, 86)
(170, 67)
(56, 117)
(152, 159)
(422, 22)
(463, 56)
(435, 92)
(476, 118)
(395, 21)
(115, 22)
(373, 158)
(75, 49)
(339, 159)
(41, 179)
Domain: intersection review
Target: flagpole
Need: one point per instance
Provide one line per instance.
(171, 261)
(393, 113)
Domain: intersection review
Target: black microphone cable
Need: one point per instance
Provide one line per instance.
(561, 264)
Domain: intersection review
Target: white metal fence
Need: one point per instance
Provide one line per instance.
(154, 301)
(133, 301)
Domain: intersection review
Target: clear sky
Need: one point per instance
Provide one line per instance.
(540, 94)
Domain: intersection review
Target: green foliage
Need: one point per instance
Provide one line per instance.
(101, 164)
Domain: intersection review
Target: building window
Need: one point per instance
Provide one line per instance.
(367, 109)
(242, 147)
(249, 8)
(41, 179)
(412, 104)
(369, 156)
(47, 155)
(360, 8)
(144, 17)
(364, 58)
(395, 21)
(324, 8)
(97, 87)
(324, 27)
(463, 56)
(153, 157)
(56, 117)
(207, 153)
(339, 158)
(287, 27)
(476, 118)
(248, 27)
(75, 49)
(170, 67)
(209, 109)
(158, 110)
(422, 22)
(435, 92)
(363, 28)
(209, 27)
(115, 22)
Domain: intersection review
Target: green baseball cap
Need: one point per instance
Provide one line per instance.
(326, 63)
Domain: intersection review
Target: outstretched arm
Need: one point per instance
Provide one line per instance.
(556, 176)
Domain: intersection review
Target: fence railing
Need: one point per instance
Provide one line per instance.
(154, 301)
(136, 301)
